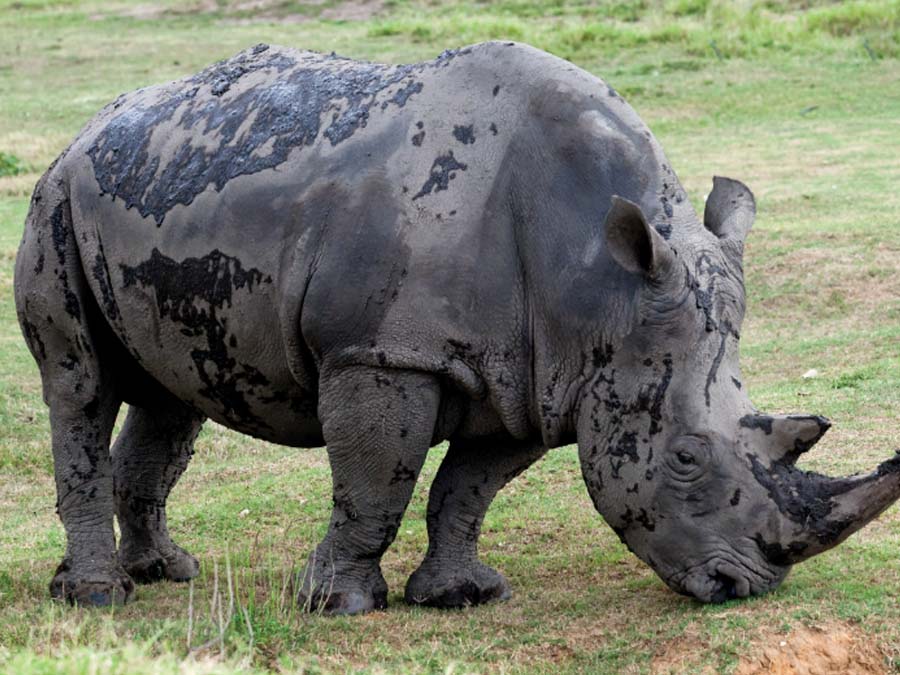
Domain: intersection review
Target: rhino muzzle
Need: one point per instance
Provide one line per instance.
(725, 578)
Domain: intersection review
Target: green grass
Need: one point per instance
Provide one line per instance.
(798, 98)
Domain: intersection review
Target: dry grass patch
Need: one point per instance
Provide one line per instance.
(844, 282)
(18, 186)
(683, 654)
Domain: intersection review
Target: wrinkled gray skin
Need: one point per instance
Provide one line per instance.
(489, 248)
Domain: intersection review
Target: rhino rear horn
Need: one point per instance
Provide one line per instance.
(798, 433)
(730, 209)
(785, 437)
(632, 242)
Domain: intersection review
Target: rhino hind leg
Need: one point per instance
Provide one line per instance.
(451, 575)
(89, 574)
(150, 454)
(68, 339)
(378, 425)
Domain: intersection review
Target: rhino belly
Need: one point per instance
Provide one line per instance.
(200, 315)
(206, 329)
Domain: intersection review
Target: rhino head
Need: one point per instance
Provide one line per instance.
(692, 478)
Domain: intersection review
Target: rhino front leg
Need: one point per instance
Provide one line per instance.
(451, 575)
(149, 456)
(378, 425)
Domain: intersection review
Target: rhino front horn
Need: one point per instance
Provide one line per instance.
(820, 512)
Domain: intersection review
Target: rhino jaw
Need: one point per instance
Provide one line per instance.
(819, 512)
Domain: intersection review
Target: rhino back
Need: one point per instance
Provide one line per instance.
(206, 206)
(285, 211)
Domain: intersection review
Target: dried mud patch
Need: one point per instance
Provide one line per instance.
(831, 648)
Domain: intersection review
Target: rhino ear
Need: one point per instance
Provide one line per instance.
(631, 242)
(786, 437)
(730, 209)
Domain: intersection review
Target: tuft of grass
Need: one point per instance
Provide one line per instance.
(10, 165)
(851, 380)
(855, 18)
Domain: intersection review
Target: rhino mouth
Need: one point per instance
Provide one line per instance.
(721, 579)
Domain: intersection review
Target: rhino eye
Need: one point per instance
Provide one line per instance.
(685, 458)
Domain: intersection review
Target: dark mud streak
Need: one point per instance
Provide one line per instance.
(719, 318)
(100, 270)
(60, 227)
(73, 307)
(59, 231)
(664, 229)
(442, 172)
(800, 445)
(804, 498)
(402, 474)
(401, 96)
(777, 554)
(343, 506)
(285, 111)
(625, 447)
(714, 368)
(464, 134)
(192, 293)
(763, 422)
(807, 498)
(645, 520)
(651, 399)
(33, 338)
(602, 356)
(39, 264)
(706, 297)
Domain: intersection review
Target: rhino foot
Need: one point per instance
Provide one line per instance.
(441, 584)
(342, 588)
(158, 564)
(342, 602)
(91, 588)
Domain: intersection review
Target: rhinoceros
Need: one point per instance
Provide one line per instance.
(489, 248)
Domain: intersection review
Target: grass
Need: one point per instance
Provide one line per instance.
(798, 98)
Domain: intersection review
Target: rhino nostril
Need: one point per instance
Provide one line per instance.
(725, 588)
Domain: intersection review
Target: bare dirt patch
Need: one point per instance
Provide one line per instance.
(155, 11)
(355, 10)
(251, 11)
(832, 648)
